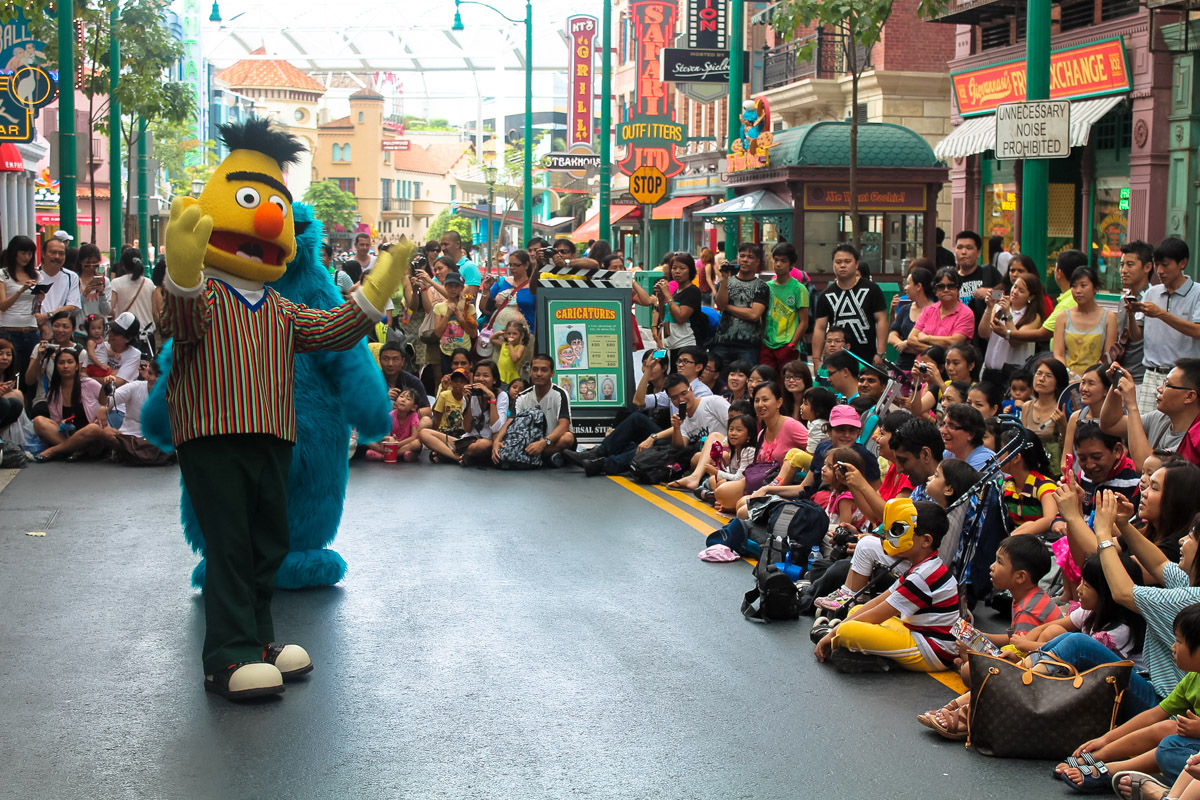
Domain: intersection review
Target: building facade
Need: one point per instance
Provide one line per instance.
(1113, 186)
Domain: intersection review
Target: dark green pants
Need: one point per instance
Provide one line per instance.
(238, 486)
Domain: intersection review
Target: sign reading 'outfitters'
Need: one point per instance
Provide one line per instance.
(1076, 72)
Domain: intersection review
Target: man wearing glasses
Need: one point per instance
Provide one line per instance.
(563, 252)
(1169, 425)
(690, 364)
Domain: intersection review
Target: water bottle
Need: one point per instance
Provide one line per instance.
(813, 556)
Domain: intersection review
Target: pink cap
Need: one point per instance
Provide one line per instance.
(844, 415)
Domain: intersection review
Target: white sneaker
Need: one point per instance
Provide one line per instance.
(835, 601)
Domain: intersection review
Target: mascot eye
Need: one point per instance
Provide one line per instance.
(247, 197)
(279, 203)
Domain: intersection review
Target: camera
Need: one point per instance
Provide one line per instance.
(419, 261)
(843, 535)
(923, 369)
(727, 268)
(840, 466)
(477, 393)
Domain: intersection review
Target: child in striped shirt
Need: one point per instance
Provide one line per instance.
(908, 626)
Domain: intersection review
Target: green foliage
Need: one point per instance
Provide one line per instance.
(331, 205)
(412, 123)
(445, 221)
(863, 20)
(182, 156)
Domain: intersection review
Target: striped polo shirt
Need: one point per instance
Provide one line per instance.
(234, 360)
(1025, 505)
(1159, 605)
(927, 599)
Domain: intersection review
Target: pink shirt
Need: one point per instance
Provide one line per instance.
(792, 435)
(404, 428)
(932, 323)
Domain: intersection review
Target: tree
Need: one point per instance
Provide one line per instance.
(175, 145)
(860, 23)
(331, 205)
(445, 221)
(148, 52)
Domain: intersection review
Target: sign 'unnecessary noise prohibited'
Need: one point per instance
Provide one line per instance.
(647, 185)
(1039, 129)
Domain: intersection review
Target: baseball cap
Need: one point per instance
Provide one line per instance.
(460, 373)
(844, 415)
(127, 325)
(453, 277)
(63, 236)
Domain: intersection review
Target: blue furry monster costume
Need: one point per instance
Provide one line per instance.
(334, 391)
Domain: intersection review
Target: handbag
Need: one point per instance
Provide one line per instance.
(759, 474)
(425, 331)
(1019, 713)
(483, 344)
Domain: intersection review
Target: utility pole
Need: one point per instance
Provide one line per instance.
(737, 36)
(116, 209)
(66, 118)
(1035, 183)
(606, 118)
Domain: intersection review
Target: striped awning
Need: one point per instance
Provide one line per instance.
(977, 134)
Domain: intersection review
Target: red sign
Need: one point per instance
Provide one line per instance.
(53, 219)
(582, 32)
(651, 134)
(871, 197)
(1076, 72)
(392, 145)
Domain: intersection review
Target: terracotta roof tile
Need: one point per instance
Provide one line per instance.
(273, 73)
(340, 122)
(437, 159)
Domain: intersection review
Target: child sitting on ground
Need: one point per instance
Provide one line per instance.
(951, 479)
(406, 427)
(1136, 741)
(736, 453)
(1020, 389)
(840, 505)
(908, 626)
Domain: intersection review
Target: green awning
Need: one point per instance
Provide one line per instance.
(761, 203)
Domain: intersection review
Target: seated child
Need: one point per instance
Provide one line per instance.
(1152, 737)
(406, 427)
(1020, 389)
(908, 626)
(950, 480)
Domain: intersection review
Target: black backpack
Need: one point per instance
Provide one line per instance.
(661, 463)
(776, 594)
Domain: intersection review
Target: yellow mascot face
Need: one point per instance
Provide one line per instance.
(253, 233)
(899, 525)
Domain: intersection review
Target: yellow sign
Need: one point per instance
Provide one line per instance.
(647, 185)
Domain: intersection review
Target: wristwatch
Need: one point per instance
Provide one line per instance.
(1107, 543)
(547, 441)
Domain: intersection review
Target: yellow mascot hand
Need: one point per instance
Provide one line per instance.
(384, 279)
(186, 241)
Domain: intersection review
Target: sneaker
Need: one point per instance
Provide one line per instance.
(580, 458)
(835, 601)
(555, 460)
(593, 467)
(850, 662)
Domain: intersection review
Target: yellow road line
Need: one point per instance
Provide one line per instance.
(661, 503)
(688, 500)
(951, 679)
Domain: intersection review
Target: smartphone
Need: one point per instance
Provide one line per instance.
(997, 294)
(1070, 459)
(659, 354)
(840, 466)
(41, 288)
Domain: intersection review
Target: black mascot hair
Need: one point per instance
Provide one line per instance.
(257, 134)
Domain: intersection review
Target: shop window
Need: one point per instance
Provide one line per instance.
(345, 184)
(1114, 131)
(999, 211)
(1019, 19)
(1110, 229)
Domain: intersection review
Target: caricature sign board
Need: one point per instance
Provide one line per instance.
(588, 333)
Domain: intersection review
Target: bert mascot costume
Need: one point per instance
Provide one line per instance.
(230, 391)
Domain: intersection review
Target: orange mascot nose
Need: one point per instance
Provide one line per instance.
(268, 221)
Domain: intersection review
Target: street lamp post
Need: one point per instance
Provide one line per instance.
(527, 176)
(489, 176)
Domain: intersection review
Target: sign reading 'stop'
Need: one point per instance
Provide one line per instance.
(1077, 72)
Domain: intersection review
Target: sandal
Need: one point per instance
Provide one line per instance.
(1093, 778)
(928, 717)
(950, 723)
(1136, 781)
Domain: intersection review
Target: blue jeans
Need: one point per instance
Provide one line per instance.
(1172, 754)
(1083, 652)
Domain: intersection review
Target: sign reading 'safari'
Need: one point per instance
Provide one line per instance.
(651, 134)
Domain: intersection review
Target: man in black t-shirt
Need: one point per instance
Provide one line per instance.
(975, 281)
(391, 363)
(856, 305)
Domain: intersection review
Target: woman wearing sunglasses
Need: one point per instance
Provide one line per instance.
(948, 321)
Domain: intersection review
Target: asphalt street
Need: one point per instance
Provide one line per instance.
(498, 635)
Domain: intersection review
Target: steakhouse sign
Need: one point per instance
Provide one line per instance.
(651, 135)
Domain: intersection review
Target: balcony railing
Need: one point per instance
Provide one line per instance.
(780, 67)
(398, 204)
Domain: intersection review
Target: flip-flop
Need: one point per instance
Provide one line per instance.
(1094, 779)
(679, 487)
(1136, 781)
